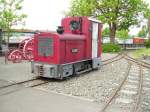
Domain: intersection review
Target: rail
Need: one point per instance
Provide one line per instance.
(139, 62)
(139, 91)
(116, 91)
(26, 81)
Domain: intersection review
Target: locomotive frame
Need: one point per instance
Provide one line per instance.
(74, 49)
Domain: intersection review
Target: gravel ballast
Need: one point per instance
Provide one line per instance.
(96, 85)
(145, 103)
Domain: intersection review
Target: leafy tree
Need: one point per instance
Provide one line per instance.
(147, 16)
(105, 32)
(82, 8)
(118, 14)
(123, 34)
(142, 32)
(10, 15)
(148, 24)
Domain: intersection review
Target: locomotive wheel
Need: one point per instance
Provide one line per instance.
(8, 54)
(28, 49)
(15, 56)
(22, 43)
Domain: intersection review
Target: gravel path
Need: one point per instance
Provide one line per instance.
(145, 104)
(96, 85)
(108, 55)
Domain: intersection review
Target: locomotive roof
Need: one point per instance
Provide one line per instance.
(94, 20)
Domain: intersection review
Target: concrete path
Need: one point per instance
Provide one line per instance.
(21, 99)
(15, 71)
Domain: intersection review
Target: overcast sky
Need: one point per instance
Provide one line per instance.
(44, 14)
(47, 14)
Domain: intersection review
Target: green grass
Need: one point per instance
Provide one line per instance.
(111, 48)
(141, 52)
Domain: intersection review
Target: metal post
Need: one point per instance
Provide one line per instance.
(32, 66)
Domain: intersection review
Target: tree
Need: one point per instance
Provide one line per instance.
(105, 32)
(147, 16)
(148, 24)
(11, 15)
(142, 32)
(118, 14)
(123, 35)
(82, 8)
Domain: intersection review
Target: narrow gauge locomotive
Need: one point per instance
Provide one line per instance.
(74, 49)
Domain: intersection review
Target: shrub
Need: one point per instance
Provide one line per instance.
(147, 44)
(110, 48)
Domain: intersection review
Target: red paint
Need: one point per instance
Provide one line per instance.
(71, 46)
(69, 42)
(71, 56)
(138, 40)
(47, 59)
(25, 51)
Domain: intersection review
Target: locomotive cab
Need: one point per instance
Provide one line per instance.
(75, 48)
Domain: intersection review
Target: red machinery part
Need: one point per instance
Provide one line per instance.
(25, 51)
(28, 49)
(15, 56)
(22, 43)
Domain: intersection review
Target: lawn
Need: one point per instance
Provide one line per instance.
(141, 52)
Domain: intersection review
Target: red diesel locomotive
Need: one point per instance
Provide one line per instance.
(74, 49)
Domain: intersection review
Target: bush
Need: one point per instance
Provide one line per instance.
(147, 44)
(111, 48)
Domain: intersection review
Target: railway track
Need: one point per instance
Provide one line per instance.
(124, 55)
(108, 61)
(119, 54)
(113, 59)
(128, 94)
(133, 97)
(27, 83)
(139, 62)
(144, 104)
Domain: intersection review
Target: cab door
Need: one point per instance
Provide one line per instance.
(94, 40)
